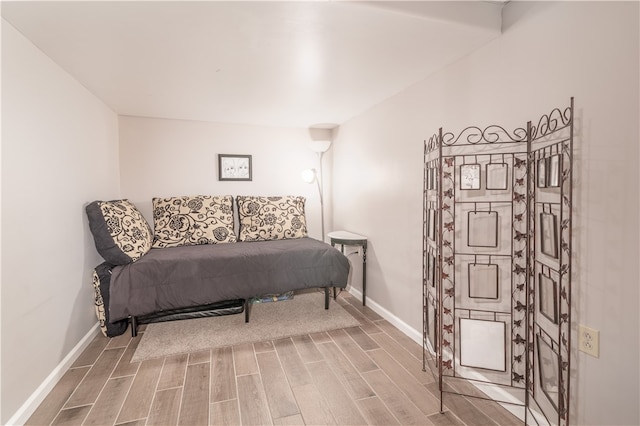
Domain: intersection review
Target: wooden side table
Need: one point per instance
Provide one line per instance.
(345, 238)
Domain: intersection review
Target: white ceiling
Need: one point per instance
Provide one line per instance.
(287, 63)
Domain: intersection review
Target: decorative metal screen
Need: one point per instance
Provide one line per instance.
(497, 264)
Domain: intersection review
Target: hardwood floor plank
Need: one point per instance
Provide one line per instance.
(403, 357)
(88, 390)
(313, 407)
(367, 325)
(245, 359)
(405, 341)
(352, 351)
(392, 396)
(125, 367)
(292, 363)
(492, 409)
(464, 410)
(306, 346)
(263, 346)
(223, 376)
(345, 371)
(224, 413)
(105, 410)
(320, 337)
(138, 402)
(92, 352)
(342, 407)
(369, 313)
(411, 387)
(254, 409)
(279, 395)
(54, 401)
(72, 416)
(120, 341)
(376, 412)
(195, 396)
(200, 356)
(139, 422)
(291, 420)
(165, 407)
(362, 339)
(445, 419)
(173, 371)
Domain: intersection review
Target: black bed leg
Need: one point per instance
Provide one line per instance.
(134, 327)
(326, 297)
(247, 309)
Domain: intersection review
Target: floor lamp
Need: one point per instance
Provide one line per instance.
(310, 175)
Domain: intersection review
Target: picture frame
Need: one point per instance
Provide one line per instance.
(483, 281)
(434, 178)
(497, 175)
(234, 167)
(542, 173)
(431, 269)
(549, 234)
(482, 229)
(483, 344)
(548, 295)
(470, 176)
(549, 372)
(553, 171)
(431, 224)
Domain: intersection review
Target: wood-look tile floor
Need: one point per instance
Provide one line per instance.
(366, 375)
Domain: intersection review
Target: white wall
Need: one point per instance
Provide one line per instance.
(59, 152)
(547, 53)
(166, 158)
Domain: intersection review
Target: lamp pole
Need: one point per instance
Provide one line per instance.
(320, 190)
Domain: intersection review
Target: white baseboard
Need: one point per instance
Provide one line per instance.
(30, 405)
(411, 332)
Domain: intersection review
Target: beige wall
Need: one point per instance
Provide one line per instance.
(166, 158)
(59, 151)
(547, 53)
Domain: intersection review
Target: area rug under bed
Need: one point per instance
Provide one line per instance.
(303, 314)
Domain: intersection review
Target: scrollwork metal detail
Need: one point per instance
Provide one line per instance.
(474, 135)
(552, 122)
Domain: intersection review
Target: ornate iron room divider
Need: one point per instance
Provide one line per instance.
(497, 264)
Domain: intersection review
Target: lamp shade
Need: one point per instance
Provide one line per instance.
(320, 145)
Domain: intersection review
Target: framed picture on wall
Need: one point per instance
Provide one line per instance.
(234, 167)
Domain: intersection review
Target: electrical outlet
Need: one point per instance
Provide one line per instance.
(589, 340)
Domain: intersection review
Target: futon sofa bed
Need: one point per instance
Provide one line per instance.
(194, 263)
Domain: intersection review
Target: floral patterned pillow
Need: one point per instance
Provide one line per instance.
(271, 218)
(101, 282)
(187, 221)
(121, 234)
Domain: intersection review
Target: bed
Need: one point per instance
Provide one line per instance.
(163, 277)
(172, 278)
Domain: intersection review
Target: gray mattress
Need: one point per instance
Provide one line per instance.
(181, 277)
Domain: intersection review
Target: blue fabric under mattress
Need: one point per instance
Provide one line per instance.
(181, 277)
